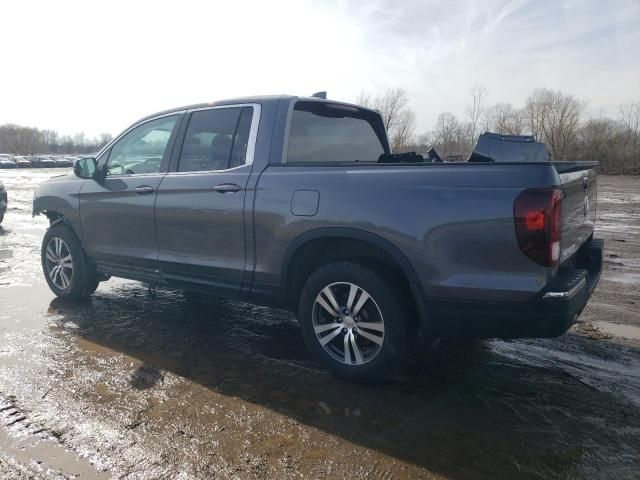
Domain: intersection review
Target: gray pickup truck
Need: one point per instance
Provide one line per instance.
(297, 202)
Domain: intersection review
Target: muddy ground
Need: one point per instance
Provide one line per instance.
(149, 384)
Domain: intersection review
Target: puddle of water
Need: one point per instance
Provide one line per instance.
(626, 278)
(47, 456)
(624, 331)
(620, 198)
(620, 376)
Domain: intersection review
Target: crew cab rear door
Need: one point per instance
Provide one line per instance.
(117, 209)
(200, 209)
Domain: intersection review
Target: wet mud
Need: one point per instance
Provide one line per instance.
(140, 383)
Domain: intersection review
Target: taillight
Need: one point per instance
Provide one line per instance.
(538, 221)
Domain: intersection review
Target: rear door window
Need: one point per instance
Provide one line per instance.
(216, 139)
(322, 132)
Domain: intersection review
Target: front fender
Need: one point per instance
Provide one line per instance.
(59, 199)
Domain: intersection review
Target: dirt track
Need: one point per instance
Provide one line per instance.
(149, 384)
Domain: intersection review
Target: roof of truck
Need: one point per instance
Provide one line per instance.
(251, 99)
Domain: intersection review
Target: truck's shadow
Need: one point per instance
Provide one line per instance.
(461, 411)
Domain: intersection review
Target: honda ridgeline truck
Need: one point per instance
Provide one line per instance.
(298, 202)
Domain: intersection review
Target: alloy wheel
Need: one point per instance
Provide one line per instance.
(348, 323)
(59, 264)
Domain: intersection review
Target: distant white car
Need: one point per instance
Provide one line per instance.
(22, 162)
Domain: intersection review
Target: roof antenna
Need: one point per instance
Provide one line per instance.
(322, 95)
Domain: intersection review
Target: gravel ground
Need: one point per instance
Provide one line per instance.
(141, 384)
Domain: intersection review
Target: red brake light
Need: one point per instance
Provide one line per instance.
(538, 223)
(534, 220)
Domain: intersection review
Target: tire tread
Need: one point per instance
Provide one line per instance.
(85, 280)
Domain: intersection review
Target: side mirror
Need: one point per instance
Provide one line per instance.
(85, 167)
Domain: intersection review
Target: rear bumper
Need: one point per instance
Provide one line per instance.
(549, 314)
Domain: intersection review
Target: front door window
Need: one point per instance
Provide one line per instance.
(143, 149)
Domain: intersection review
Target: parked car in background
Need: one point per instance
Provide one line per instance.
(35, 160)
(4, 159)
(62, 162)
(298, 202)
(7, 163)
(3, 201)
(22, 162)
(47, 162)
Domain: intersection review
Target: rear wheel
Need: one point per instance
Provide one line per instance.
(65, 266)
(1, 217)
(353, 322)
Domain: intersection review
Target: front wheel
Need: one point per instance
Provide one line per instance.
(65, 266)
(353, 322)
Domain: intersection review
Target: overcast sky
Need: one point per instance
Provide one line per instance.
(84, 66)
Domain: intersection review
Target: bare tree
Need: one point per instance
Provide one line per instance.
(51, 139)
(80, 140)
(425, 141)
(391, 105)
(517, 122)
(607, 141)
(403, 131)
(103, 139)
(26, 140)
(398, 118)
(533, 113)
(554, 117)
(504, 119)
(444, 132)
(21, 140)
(479, 94)
(364, 99)
(630, 118)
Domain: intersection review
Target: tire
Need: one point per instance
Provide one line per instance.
(381, 345)
(1, 217)
(65, 265)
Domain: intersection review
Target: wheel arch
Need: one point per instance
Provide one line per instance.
(391, 255)
(58, 218)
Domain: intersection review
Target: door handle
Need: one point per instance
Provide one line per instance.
(227, 188)
(143, 189)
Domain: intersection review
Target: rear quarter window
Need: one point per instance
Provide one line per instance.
(332, 133)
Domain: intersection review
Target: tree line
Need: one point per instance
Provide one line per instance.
(20, 140)
(553, 117)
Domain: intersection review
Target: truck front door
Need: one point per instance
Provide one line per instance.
(117, 211)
